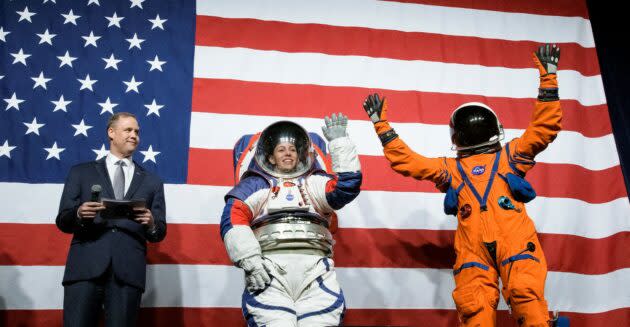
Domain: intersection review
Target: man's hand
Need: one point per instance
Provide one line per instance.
(144, 217)
(335, 126)
(376, 108)
(88, 210)
(256, 273)
(546, 59)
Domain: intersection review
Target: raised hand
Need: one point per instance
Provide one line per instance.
(546, 59)
(375, 108)
(335, 126)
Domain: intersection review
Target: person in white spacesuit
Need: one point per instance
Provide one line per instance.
(276, 225)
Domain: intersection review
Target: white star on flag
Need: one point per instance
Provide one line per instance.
(149, 155)
(66, 59)
(81, 128)
(20, 57)
(101, 153)
(135, 42)
(13, 102)
(157, 22)
(154, 108)
(5, 149)
(41, 81)
(111, 62)
(114, 20)
(46, 37)
(53, 1)
(156, 64)
(132, 85)
(71, 18)
(87, 83)
(33, 127)
(136, 3)
(107, 106)
(3, 34)
(93, 2)
(25, 15)
(91, 39)
(61, 104)
(54, 151)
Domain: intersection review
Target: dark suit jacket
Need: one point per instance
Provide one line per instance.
(121, 242)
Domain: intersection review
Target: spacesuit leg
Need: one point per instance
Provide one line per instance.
(272, 307)
(524, 290)
(322, 302)
(476, 293)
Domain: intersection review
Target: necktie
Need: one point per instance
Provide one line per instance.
(119, 180)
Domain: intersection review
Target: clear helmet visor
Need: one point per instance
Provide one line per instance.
(284, 150)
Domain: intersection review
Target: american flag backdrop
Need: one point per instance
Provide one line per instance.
(200, 75)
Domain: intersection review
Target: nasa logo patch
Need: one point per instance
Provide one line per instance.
(478, 170)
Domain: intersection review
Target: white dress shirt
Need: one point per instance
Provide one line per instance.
(128, 169)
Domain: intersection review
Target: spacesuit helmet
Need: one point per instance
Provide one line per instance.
(284, 132)
(475, 127)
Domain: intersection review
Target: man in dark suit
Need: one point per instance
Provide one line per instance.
(106, 265)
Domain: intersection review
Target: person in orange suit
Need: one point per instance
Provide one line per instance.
(485, 188)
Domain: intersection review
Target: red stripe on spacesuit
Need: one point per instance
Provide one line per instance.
(240, 214)
(330, 185)
(391, 248)
(592, 186)
(361, 41)
(187, 316)
(274, 99)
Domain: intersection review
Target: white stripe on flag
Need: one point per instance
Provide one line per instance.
(410, 18)
(372, 209)
(39, 287)
(429, 140)
(391, 74)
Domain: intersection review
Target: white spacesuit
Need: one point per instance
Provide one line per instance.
(276, 225)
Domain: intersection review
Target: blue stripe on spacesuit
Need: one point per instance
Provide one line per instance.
(226, 222)
(469, 265)
(339, 302)
(347, 188)
(249, 299)
(518, 257)
(248, 316)
(326, 263)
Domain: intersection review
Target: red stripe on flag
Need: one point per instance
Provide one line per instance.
(391, 248)
(167, 317)
(273, 99)
(338, 40)
(569, 8)
(593, 186)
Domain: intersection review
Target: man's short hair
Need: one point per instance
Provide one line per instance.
(115, 117)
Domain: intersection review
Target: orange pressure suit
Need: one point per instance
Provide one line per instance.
(490, 240)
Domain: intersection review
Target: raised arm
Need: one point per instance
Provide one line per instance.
(547, 115)
(346, 185)
(402, 158)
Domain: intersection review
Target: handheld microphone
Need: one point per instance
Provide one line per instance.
(96, 193)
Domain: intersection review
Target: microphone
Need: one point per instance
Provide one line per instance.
(96, 193)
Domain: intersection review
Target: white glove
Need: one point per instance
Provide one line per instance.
(256, 273)
(335, 126)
